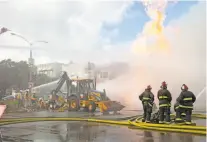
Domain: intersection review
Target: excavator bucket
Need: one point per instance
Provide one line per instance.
(114, 106)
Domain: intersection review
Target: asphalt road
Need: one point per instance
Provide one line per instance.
(86, 132)
(69, 114)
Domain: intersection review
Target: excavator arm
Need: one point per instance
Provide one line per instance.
(64, 78)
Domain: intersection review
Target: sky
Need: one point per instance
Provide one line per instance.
(96, 31)
(168, 44)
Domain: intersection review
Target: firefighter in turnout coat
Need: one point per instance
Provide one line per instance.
(165, 98)
(147, 98)
(186, 100)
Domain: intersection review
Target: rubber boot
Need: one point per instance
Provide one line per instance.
(167, 122)
(179, 120)
(161, 122)
(143, 120)
(188, 123)
(148, 117)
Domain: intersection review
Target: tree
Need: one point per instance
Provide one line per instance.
(13, 74)
(16, 75)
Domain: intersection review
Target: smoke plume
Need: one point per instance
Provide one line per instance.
(175, 54)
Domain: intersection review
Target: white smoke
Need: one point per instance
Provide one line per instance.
(183, 63)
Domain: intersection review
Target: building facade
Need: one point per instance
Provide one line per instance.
(111, 71)
(85, 70)
(52, 70)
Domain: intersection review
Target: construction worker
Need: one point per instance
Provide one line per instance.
(165, 98)
(52, 100)
(41, 103)
(26, 99)
(186, 100)
(33, 99)
(147, 98)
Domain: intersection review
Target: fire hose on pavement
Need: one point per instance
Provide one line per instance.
(132, 122)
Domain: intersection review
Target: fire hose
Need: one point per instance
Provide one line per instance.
(196, 115)
(199, 130)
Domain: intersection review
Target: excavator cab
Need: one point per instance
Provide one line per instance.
(86, 90)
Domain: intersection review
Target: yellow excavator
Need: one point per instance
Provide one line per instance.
(82, 94)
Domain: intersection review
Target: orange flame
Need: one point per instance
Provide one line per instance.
(152, 30)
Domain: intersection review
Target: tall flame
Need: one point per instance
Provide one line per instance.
(152, 38)
(151, 42)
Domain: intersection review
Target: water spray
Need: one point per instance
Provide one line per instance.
(198, 96)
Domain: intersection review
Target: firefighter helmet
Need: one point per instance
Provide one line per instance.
(149, 87)
(163, 85)
(184, 87)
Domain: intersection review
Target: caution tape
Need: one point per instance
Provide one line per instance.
(199, 130)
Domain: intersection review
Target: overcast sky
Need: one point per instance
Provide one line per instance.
(101, 31)
(109, 31)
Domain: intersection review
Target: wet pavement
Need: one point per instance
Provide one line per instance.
(123, 114)
(86, 132)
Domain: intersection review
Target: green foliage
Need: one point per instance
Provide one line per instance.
(16, 75)
(13, 74)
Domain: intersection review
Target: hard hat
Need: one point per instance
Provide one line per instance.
(149, 87)
(184, 87)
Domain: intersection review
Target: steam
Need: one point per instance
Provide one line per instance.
(175, 54)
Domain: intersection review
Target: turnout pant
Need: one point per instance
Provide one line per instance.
(147, 112)
(164, 114)
(187, 111)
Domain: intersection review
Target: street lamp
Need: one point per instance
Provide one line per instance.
(30, 43)
(4, 30)
(31, 61)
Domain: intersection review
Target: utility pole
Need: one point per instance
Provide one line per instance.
(30, 60)
(31, 71)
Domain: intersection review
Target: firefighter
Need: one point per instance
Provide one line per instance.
(186, 100)
(147, 98)
(165, 98)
